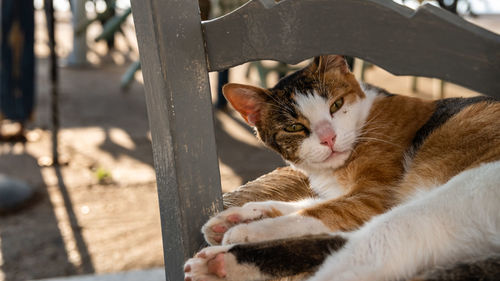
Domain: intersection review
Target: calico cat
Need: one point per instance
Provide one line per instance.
(400, 185)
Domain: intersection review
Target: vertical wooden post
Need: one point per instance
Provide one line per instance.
(181, 121)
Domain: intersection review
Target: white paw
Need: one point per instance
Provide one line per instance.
(207, 265)
(218, 225)
(251, 232)
(218, 264)
(274, 228)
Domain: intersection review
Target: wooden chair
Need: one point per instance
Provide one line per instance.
(177, 51)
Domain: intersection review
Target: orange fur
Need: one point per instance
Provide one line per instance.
(474, 135)
(273, 213)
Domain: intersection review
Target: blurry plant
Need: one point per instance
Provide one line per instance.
(128, 77)
(102, 17)
(111, 24)
(103, 176)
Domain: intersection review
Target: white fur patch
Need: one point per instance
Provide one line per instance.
(314, 107)
(325, 185)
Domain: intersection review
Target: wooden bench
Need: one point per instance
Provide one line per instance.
(177, 51)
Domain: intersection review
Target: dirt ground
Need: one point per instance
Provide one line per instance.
(99, 213)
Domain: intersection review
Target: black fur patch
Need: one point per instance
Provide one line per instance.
(487, 269)
(288, 257)
(300, 80)
(445, 109)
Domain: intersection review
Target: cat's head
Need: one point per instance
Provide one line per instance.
(311, 117)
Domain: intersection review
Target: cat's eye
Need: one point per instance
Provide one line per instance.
(294, 128)
(336, 105)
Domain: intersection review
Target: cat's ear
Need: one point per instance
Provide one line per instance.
(247, 100)
(330, 64)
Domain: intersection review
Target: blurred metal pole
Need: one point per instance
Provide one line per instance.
(78, 56)
(49, 15)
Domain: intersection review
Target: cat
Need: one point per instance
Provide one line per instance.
(400, 185)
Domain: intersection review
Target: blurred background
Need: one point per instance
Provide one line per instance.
(93, 208)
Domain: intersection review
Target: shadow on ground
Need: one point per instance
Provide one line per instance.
(31, 240)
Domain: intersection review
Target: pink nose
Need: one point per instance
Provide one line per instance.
(326, 134)
(328, 140)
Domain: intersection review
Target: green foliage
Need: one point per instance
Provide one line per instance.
(112, 25)
(103, 175)
(128, 77)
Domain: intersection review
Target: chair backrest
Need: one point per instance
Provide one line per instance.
(430, 42)
(178, 50)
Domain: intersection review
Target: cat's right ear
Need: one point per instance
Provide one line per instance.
(247, 100)
(330, 64)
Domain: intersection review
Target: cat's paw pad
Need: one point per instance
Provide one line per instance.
(207, 265)
(217, 226)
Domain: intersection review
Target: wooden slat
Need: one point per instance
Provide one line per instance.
(430, 42)
(180, 116)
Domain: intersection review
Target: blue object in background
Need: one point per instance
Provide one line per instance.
(17, 71)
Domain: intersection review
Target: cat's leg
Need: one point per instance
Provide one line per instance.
(457, 221)
(288, 225)
(262, 261)
(284, 184)
(344, 213)
(224, 222)
(281, 185)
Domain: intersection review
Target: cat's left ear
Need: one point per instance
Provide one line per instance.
(330, 64)
(247, 100)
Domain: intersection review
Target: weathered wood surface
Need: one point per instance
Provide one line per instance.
(180, 115)
(430, 42)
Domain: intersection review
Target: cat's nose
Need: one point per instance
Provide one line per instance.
(328, 140)
(325, 133)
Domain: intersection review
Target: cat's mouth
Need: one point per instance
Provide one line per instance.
(333, 154)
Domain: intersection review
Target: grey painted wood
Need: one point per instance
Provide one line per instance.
(431, 42)
(181, 122)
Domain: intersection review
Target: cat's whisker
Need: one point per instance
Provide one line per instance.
(379, 140)
(364, 130)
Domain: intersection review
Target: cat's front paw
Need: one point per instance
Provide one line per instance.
(207, 265)
(217, 226)
(217, 263)
(292, 225)
(247, 233)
